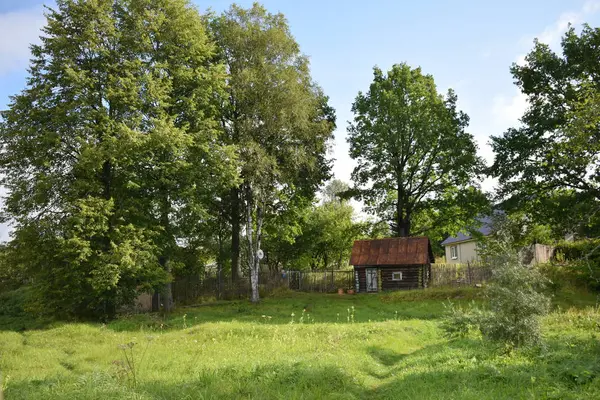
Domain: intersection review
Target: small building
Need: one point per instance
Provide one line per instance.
(462, 248)
(391, 264)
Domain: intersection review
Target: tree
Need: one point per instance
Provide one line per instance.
(109, 148)
(335, 191)
(557, 147)
(277, 117)
(318, 236)
(415, 162)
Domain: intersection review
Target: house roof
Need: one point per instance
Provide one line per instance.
(392, 251)
(485, 229)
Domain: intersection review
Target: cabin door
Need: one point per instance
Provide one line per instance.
(371, 279)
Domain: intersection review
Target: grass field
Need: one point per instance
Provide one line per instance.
(388, 347)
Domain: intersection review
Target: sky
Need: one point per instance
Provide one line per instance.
(468, 46)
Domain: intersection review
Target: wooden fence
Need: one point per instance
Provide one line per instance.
(459, 274)
(191, 289)
(320, 281)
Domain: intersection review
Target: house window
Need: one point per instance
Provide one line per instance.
(396, 276)
(454, 252)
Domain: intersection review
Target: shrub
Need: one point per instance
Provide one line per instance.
(12, 303)
(458, 322)
(580, 262)
(516, 298)
(516, 301)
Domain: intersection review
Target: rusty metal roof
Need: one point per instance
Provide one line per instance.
(392, 251)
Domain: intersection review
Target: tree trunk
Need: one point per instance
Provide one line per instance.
(164, 260)
(168, 288)
(402, 219)
(235, 235)
(404, 227)
(220, 262)
(253, 245)
(156, 301)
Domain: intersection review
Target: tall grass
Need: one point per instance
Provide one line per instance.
(393, 349)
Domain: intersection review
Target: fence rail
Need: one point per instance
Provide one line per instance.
(459, 274)
(190, 289)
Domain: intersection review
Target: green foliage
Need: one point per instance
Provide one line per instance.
(11, 275)
(416, 165)
(516, 303)
(577, 250)
(558, 146)
(459, 322)
(317, 236)
(561, 212)
(110, 154)
(13, 303)
(516, 298)
(275, 114)
(580, 262)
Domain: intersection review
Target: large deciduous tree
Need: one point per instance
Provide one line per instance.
(415, 161)
(276, 115)
(557, 147)
(110, 148)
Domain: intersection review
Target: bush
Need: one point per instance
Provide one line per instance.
(12, 303)
(580, 262)
(460, 322)
(516, 298)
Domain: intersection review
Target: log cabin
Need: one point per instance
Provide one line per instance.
(391, 264)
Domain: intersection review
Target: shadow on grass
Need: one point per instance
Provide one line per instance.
(385, 356)
(22, 323)
(463, 369)
(313, 307)
(269, 381)
(472, 369)
(565, 368)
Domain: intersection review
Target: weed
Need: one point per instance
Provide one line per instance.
(266, 318)
(351, 312)
(128, 368)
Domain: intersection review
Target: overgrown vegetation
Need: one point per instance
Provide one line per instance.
(393, 349)
(516, 297)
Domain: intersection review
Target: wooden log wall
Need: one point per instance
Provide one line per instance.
(412, 277)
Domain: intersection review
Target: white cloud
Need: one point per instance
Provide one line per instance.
(521, 60)
(552, 34)
(508, 110)
(18, 30)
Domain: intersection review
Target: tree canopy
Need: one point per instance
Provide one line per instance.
(110, 146)
(275, 115)
(555, 152)
(417, 167)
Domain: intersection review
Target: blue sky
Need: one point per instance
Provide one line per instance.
(466, 45)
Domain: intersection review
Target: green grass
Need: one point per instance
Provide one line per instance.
(394, 349)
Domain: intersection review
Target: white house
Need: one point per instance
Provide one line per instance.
(462, 248)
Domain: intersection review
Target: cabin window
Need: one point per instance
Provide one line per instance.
(397, 276)
(454, 252)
